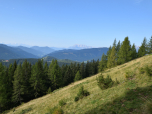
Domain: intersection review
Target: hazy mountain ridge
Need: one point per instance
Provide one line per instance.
(79, 55)
(7, 52)
(32, 51)
(44, 50)
(78, 47)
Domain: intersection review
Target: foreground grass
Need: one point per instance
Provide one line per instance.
(131, 96)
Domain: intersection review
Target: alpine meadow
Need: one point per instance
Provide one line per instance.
(75, 56)
(119, 83)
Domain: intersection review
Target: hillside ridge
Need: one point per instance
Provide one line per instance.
(110, 98)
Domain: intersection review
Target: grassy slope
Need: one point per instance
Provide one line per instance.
(129, 96)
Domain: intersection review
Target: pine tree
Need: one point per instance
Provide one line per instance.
(14, 67)
(103, 63)
(115, 43)
(55, 76)
(118, 46)
(112, 58)
(87, 71)
(117, 50)
(17, 85)
(26, 73)
(77, 76)
(82, 70)
(109, 52)
(46, 78)
(63, 70)
(143, 50)
(5, 89)
(125, 52)
(134, 53)
(36, 80)
(68, 76)
(150, 46)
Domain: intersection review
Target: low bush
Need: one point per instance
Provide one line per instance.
(148, 71)
(76, 98)
(82, 93)
(62, 103)
(55, 110)
(149, 108)
(25, 111)
(141, 70)
(105, 83)
(129, 75)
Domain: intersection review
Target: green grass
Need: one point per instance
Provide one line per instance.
(133, 95)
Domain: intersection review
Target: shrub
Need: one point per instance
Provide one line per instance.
(55, 110)
(148, 71)
(141, 70)
(105, 83)
(58, 111)
(76, 98)
(129, 75)
(62, 103)
(82, 93)
(149, 108)
(25, 111)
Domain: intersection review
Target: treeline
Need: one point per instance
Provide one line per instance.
(123, 52)
(24, 82)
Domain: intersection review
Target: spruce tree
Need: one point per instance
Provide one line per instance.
(109, 52)
(46, 78)
(134, 53)
(150, 46)
(18, 88)
(87, 71)
(117, 50)
(77, 76)
(112, 58)
(14, 67)
(36, 80)
(115, 43)
(55, 76)
(118, 46)
(124, 52)
(103, 63)
(82, 70)
(68, 76)
(5, 89)
(143, 50)
(26, 73)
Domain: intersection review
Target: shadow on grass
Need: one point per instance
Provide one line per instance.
(130, 103)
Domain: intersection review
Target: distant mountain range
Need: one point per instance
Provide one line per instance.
(79, 55)
(74, 54)
(78, 47)
(7, 52)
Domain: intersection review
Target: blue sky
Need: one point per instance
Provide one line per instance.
(63, 23)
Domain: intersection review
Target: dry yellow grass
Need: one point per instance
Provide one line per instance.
(97, 96)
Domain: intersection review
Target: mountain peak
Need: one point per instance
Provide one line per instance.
(79, 46)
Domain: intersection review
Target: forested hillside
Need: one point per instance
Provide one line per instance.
(124, 88)
(32, 61)
(22, 83)
(79, 55)
(7, 52)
